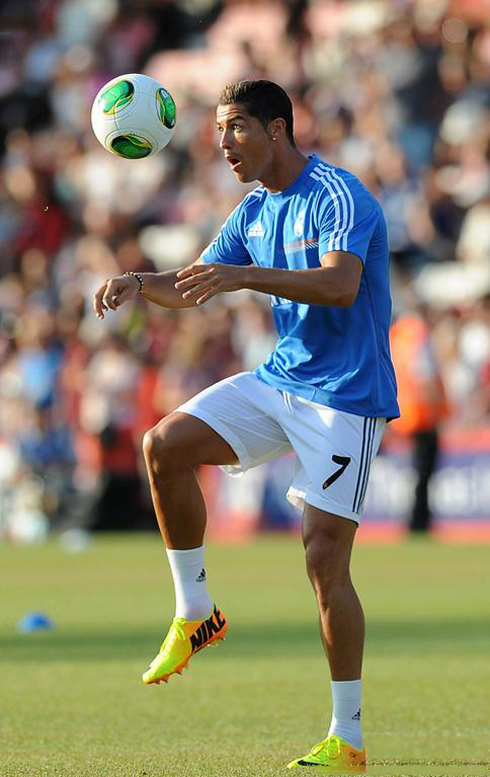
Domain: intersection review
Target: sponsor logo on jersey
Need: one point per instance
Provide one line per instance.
(301, 245)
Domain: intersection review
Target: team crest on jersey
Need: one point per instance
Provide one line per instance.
(256, 230)
(299, 224)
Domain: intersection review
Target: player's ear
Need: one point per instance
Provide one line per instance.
(276, 128)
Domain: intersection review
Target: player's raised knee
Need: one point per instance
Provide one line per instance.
(164, 446)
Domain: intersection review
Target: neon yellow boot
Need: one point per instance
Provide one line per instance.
(332, 756)
(184, 639)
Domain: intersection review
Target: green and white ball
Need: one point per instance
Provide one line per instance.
(133, 116)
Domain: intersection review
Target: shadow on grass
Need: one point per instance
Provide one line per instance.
(249, 641)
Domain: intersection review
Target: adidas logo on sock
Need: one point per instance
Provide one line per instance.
(201, 578)
(357, 716)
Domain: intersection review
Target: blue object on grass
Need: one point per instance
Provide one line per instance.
(34, 621)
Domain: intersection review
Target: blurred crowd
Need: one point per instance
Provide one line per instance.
(395, 91)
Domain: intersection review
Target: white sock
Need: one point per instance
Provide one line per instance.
(346, 714)
(192, 600)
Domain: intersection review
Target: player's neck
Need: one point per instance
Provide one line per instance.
(285, 169)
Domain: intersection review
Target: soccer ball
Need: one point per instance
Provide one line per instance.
(133, 116)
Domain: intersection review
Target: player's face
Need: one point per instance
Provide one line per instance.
(247, 146)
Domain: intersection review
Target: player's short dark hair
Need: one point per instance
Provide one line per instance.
(263, 99)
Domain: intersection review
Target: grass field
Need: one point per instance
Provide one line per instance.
(72, 703)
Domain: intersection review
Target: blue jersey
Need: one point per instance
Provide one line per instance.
(339, 357)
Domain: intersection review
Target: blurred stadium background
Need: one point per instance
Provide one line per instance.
(394, 91)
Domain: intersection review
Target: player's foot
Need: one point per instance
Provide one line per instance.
(332, 756)
(184, 639)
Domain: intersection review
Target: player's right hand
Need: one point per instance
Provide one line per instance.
(113, 293)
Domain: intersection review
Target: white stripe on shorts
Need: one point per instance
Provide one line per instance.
(368, 432)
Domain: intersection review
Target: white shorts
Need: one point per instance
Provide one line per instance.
(334, 449)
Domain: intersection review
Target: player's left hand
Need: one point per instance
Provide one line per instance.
(200, 282)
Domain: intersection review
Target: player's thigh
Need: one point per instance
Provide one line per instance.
(181, 438)
(242, 411)
(335, 451)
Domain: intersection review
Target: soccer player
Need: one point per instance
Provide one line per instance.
(315, 240)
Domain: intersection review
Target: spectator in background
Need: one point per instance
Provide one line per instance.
(423, 405)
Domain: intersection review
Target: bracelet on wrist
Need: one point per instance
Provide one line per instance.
(138, 277)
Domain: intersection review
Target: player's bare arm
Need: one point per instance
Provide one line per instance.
(335, 283)
(157, 287)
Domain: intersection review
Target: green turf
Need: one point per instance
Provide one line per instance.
(72, 703)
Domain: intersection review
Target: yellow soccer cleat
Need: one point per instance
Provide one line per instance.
(184, 639)
(332, 756)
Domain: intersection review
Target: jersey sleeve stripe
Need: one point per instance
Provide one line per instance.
(343, 226)
(339, 205)
(344, 206)
(351, 202)
(339, 183)
(339, 213)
